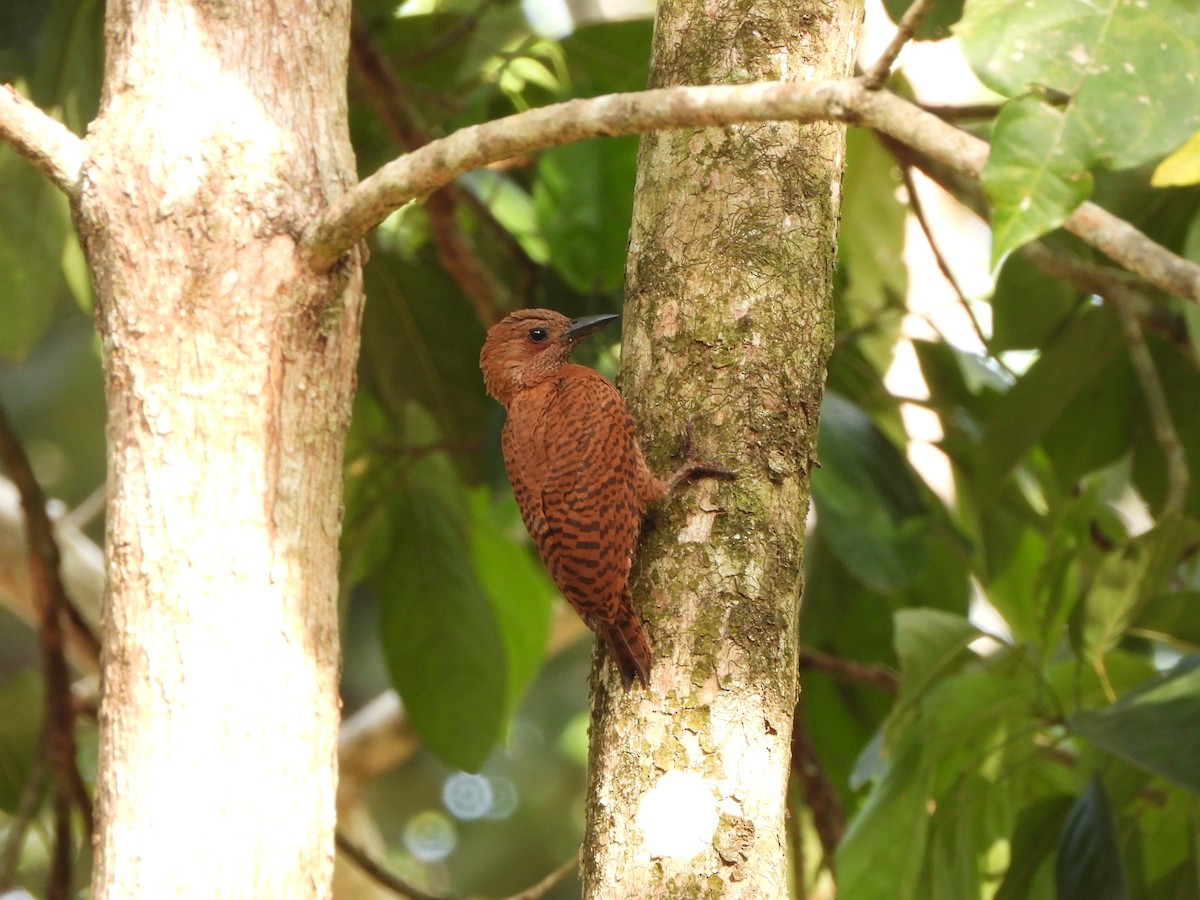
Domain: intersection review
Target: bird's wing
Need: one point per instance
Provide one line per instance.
(591, 509)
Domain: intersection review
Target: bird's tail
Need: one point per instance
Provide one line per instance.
(626, 640)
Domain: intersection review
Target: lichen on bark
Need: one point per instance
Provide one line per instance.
(728, 326)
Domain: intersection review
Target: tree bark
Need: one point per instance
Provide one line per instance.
(728, 327)
(229, 367)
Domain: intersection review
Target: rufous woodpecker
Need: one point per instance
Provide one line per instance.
(577, 471)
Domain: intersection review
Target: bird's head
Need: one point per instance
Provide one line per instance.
(529, 346)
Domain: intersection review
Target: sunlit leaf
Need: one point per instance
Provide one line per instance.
(1122, 105)
(1180, 168)
(1155, 727)
(1036, 173)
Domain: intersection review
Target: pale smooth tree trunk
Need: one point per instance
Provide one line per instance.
(229, 367)
(728, 327)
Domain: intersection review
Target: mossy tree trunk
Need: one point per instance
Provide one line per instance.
(728, 327)
(229, 367)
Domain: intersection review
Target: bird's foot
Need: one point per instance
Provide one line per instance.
(694, 468)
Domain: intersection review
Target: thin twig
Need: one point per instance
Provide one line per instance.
(547, 884)
(829, 819)
(943, 264)
(1178, 478)
(50, 596)
(458, 258)
(905, 29)
(848, 670)
(378, 873)
(86, 512)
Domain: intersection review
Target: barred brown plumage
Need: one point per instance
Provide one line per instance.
(577, 471)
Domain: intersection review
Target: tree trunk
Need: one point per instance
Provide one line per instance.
(728, 327)
(229, 369)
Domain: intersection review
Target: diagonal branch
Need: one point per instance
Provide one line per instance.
(50, 595)
(851, 101)
(45, 142)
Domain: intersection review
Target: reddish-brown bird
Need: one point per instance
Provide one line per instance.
(577, 471)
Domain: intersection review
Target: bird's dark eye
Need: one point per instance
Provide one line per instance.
(537, 335)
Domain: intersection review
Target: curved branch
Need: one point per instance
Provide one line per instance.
(852, 101)
(44, 141)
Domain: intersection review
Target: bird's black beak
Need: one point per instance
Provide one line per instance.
(584, 326)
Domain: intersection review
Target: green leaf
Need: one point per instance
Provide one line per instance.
(1089, 858)
(1126, 577)
(1036, 174)
(880, 856)
(1127, 73)
(1094, 430)
(608, 57)
(871, 276)
(1028, 306)
(516, 583)
(20, 728)
(35, 227)
(443, 646)
(929, 642)
(1038, 826)
(1126, 68)
(514, 208)
(869, 505)
(1156, 727)
(1173, 618)
(584, 199)
(1022, 417)
(936, 24)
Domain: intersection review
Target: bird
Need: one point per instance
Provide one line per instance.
(577, 471)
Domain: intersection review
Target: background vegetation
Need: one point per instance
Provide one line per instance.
(1052, 752)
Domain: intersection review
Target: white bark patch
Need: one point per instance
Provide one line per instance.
(699, 525)
(678, 816)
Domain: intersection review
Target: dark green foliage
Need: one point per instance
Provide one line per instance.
(1057, 760)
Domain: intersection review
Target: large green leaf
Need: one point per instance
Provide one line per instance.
(929, 642)
(1036, 173)
(1156, 727)
(584, 198)
(516, 583)
(872, 278)
(881, 854)
(1027, 306)
(1038, 826)
(869, 505)
(937, 22)
(1127, 71)
(1126, 577)
(444, 647)
(35, 228)
(1089, 858)
(1172, 617)
(1067, 367)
